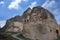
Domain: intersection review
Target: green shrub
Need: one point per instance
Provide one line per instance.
(6, 36)
(58, 38)
(20, 36)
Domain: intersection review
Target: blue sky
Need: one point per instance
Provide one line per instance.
(11, 8)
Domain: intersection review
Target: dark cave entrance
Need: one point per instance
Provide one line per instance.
(57, 32)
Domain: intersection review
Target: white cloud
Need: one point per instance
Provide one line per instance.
(33, 4)
(1, 2)
(56, 12)
(52, 4)
(15, 4)
(25, 0)
(2, 23)
(49, 4)
(57, 15)
(45, 3)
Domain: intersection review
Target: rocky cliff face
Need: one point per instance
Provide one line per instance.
(36, 24)
(11, 24)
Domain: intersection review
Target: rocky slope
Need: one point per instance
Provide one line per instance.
(6, 36)
(35, 24)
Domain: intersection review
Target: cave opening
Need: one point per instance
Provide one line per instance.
(57, 32)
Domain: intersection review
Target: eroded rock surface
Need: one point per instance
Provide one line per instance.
(36, 24)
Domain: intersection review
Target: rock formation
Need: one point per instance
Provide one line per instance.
(36, 24)
(40, 24)
(59, 30)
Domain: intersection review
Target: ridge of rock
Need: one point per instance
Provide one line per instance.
(36, 24)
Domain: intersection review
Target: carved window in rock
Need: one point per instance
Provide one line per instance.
(50, 30)
(57, 32)
(26, 20)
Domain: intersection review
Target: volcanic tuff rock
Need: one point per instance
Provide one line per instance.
(59, 30)
(36, 24)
